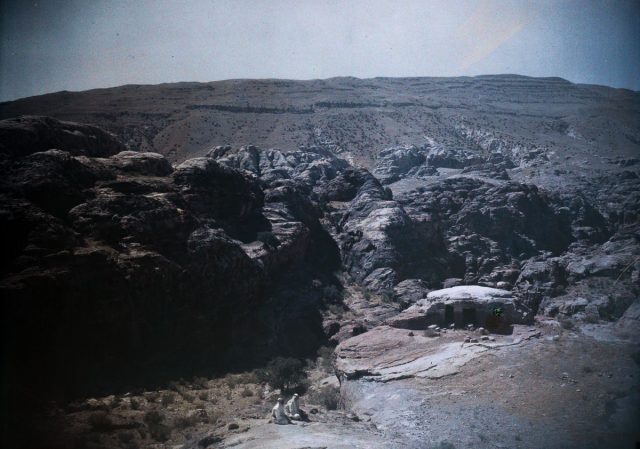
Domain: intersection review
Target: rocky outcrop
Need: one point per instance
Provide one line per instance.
(395, 163)
(120, 269)
(441, 156)
(591, 283)
(308, 166)
(378, 238)
(32, 134)
(490, 228)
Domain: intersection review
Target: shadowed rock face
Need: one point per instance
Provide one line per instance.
(30, 134)
(120, 270)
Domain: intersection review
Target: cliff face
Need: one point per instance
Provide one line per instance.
(121, 269)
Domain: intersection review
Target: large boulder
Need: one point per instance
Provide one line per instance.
(395, 163)
(220, 193)
(149, 164)
(376, 233)
(52, 179)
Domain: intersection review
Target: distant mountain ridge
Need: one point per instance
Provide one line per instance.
(356, 118)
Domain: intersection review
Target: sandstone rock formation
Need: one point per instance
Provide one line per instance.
(156, 251)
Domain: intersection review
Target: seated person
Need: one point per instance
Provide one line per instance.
(278, 414)
(292, 409)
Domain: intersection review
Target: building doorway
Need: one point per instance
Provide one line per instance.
(449, 317)
(469, 316)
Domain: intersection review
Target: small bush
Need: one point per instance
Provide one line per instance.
(200, 383)
(331, 293)
(187, 396)
(183, 422)
(231, 382)
(327, 396)
(153, 396)
(160, 432)
(386, 296)
(203, 396)
(168, 398)
(153, 417)
(302, 387)
(246, 393)
(591, 318)
(566, 323)
(135, 404)
(100, 422)
(336, 309)
(126, 437)
(325, 358)
(154, 421)
(247, 378)
(285, 373)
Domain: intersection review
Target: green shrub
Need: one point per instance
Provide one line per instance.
(135, 404)
(246, 393)
(187, 396)
(203, 396)
(331, 293)
(126, 437)
(327, 396)
(386, 296)
(153, 417)
(183, 422)
(231, 382)
(115, 402)
(325, 354)
(285, 373)
(159, 431)
(302, 387)
(566, 323)
(200, 383)
(250, 377)
(100, 422)
(168, 398)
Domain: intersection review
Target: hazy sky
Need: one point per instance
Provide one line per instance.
(52, 45)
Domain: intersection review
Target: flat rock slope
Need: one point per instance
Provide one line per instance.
(469, 246)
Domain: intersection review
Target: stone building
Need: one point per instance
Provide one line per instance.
(480, 306)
